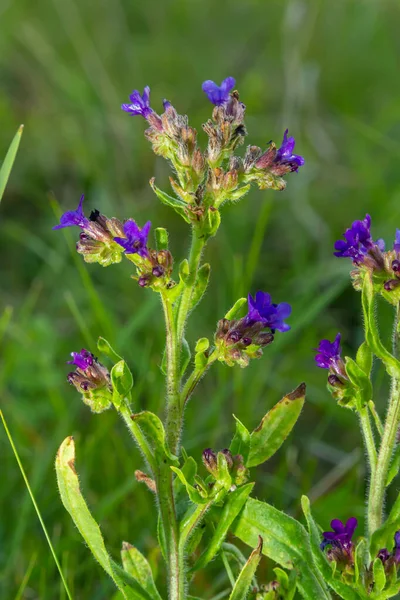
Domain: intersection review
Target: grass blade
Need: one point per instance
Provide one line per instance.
(9, 161)
(21, 468)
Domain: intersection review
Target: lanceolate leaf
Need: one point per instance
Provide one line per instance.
(137, 566)
(232, 507)
(177, 205)
(285, 541)
(6, 167)
(275, 427)
(241, 440)
(244, 581)
(153, 430)
(342, 589)
(71, 496)
(371, 330)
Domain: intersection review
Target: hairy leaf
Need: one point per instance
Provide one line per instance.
(285, 541)
(233, 505)
(137, 566)
(71, 496)
(241, 440)
(243, 582)
(275, 427)
(154, 431)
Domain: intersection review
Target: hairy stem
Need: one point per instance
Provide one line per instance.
(137, 434)
(368, 437)
(194, 378)
(389, 438)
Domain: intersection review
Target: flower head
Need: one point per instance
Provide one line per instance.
(260, 309)
(357, 241)
(396, 245)
(135, 241)
(82, 359)
(341, 535)
(73, 217)
(285, 154)
(328, 353)
(216, 94)
(139, 103)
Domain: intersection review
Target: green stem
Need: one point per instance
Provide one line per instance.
(137, 434)
(174, 413)
(196, 250)
(175, 564)
(196, 375)
(388, 443)
(368, 437)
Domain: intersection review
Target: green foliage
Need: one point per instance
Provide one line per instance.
(138, 567)
(275, 427)
(71, 496)
(8, 162)
(285, 541)
(154, 432)
(122, 382)
(243, 582)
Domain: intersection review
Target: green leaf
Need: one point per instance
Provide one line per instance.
(394, 466)
(360, 380)
(192, 492)
(105, 348)
(184, 271)
(177, 205)
(212, 224)
(361, 560)
(186, 355)
(241, 440)
(233, 312)
(233, 505)
(320, 560)
(72, 499)
(379, 575)
(8, 162)
(364, 358)
(275, 427)
(202, 344)
(161, 236)
(200, 286)
(244, 581)
(288, 584)
(154, 432)
(371, 330)
(285, 541)
(122, 382)
(137, 566)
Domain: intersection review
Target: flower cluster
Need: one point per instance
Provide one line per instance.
(239, 340)
(91, 379)
(329, 356)
(341, 546)
(370, 255)
(105, 240)
(216, 464)
(390, 559)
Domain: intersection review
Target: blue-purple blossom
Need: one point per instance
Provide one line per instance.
(328, 353)
(135, 241)
(73, 217)
(261, 310)
(341, 535)
(82, 359)
(139, 103)
(358, 241)
(396, 245)
(284, 154)
(218, 94)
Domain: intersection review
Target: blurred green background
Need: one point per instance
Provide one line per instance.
(327, 70)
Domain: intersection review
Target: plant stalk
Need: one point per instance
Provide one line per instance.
(388, 443)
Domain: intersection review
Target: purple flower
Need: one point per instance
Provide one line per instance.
(270, 315)
(285, 154)
(139, 103)
(218, 95)
(73, 217)
(135, 241)
(396, 549)
(328, 353)
(82, 359)
(396, 245)
(341, 535)
(357, 242)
